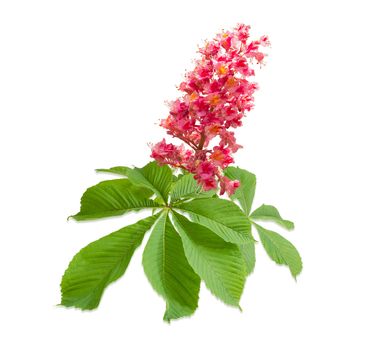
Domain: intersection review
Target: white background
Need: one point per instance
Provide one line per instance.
(82, 86)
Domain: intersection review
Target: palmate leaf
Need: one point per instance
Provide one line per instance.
(214, 242)
(244, 194)
(220, 264)
(187, 187)
(222, 217)
(111, 198)
(169, 272)
(154, 177)
(270, 213)
(101, 263)
(280, 250)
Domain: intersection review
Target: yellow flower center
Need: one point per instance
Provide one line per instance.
(222, 70)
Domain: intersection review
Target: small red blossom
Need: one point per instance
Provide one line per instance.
(227, 185)
(216, 94)
(204, 174)
(165, 153)
(221, 157)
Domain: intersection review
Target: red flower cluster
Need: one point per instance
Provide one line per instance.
(216, 94)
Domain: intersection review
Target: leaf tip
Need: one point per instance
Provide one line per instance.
(72, 217)
(296, 274)
(289, 224)
(166, 318)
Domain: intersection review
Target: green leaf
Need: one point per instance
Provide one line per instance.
(118, 170)
(221, 216)
(111, 198)
(280, 250)
(270, 213)
(244, 194)
(220, 264)
(249, 255)
(154, 177)
(168, 271)
(187, 187)
(101, 263)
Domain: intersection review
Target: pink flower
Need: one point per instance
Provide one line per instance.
(216, 95)
(165, 153)
(205, 175)
(228, 185)
(221, 157)
(228, 139)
